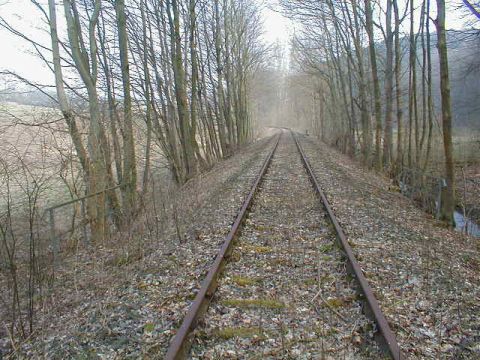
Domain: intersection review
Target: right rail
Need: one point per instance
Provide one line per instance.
(387, 338)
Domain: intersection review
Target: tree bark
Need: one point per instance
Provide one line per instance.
(387, 144)
(129, 186)
(448, 204)
(376, 84)
(398, 88)
(180, 90)
(96, 146)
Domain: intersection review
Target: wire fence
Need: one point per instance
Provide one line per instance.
(70, 217)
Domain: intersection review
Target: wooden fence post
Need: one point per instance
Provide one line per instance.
(86, 240)
(53, 237)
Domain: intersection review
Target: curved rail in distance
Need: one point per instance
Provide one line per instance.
(180, 345)
(388, 340)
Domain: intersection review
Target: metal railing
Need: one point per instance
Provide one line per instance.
(54, 238)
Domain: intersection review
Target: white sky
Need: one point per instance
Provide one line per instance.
(277, 27)
(16, 53)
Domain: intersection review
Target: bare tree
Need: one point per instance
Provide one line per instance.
(129, 162)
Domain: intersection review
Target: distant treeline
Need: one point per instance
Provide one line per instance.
(27, 97)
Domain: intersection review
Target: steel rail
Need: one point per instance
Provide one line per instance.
(180, 345)
(387, 339)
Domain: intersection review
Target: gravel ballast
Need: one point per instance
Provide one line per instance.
(285, 293)
(425, 277)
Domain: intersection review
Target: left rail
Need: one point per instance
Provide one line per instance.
(180, 345)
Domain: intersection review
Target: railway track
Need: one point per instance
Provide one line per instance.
(285, 283)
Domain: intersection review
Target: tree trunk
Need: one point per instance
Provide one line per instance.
(65, 107)
(180, 90)
(376, 84)
(129, 186)
(448, 204)
(97, 179)
(387, 144)
(398, 88)
(429, 90)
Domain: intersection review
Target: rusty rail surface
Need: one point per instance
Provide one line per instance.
(387, 338)
(180, 345)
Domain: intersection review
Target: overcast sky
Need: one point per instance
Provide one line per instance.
(16, 53)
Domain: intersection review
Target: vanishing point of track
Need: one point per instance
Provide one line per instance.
(181, 343)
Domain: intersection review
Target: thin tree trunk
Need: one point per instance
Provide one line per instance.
(88, 72)
(376, 84)
(129, 186)
(180, 91)
(429, 90)
(398, 87)
(448, 204)
(387, 145)
(65, 106)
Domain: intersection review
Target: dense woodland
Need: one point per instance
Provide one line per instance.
(186, 83)
(382, 83)
(133, 80)
(182, 67)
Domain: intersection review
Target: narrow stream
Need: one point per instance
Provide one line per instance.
(466, 225)
(462, 224)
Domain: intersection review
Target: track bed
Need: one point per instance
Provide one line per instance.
(285, 292)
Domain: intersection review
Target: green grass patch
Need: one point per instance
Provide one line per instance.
(245, 281)
(325, 248)
(235, 257)
(335, 302)
(148, 327)
(310, 282)
(254, 303)
(257, 248)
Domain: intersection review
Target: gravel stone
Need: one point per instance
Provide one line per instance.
(286, 294)
(426, 277)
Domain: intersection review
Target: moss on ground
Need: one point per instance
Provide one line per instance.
(148, 327)
(325, 248)
(235, 257)
(335, 302)
(245, 281)
(310, 282)
(257, 248)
